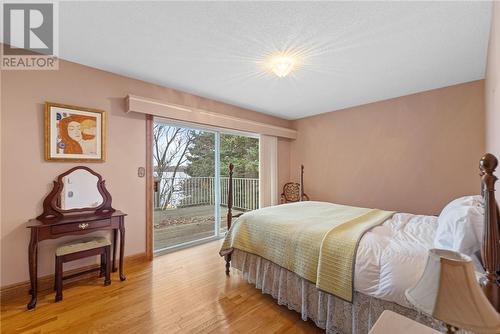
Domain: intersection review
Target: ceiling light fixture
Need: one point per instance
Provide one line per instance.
(282, 65)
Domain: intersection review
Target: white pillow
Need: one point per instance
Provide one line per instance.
(461, 225)
(476, 200)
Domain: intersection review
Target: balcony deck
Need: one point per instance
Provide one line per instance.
(180, 225)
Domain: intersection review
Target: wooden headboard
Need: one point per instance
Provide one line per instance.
(490, 250)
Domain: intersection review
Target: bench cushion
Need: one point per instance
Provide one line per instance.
(81, 245)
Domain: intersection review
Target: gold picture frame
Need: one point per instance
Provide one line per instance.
(74, 134)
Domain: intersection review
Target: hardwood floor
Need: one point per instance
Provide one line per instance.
(182, 292)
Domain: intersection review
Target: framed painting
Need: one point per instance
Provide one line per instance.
(74, 133)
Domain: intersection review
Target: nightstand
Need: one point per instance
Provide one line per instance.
(390, 322)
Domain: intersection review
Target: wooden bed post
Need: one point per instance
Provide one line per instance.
(228, 262)
(301, 183)
(229, 216)
(491, 240)
(230, 197)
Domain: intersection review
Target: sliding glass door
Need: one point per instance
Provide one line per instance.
(190, 168)
(184, 193)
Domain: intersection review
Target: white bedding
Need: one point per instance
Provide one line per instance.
(392, 257)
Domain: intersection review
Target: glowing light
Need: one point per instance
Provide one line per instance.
(282, 65)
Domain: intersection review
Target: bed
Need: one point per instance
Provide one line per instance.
(282, 251)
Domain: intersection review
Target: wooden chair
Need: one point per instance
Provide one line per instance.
(80, 249)
(293, 191)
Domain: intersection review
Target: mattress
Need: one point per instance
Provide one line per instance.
(390, 257)
(315, 240)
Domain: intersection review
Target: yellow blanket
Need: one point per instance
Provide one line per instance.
(315, 240)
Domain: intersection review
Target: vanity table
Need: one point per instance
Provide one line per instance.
(78, 204)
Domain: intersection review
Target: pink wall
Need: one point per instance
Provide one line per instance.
(493, 86)
(26, 178)
(413, 154)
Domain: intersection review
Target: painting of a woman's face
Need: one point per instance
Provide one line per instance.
(74, 131)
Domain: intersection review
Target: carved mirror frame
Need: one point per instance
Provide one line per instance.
(51, 212)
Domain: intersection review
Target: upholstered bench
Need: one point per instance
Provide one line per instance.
(79, 249)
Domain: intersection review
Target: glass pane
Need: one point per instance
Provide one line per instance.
(243, 153)
(184, 171)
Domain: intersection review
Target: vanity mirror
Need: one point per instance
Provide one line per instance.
(80, 190)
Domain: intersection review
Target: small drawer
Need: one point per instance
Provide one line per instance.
(74, 227)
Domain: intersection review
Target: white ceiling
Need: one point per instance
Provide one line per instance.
(355, 52)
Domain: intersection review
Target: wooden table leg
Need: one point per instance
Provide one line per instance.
(33, 261)
(115, 233)
(122, 248)
(107, 270)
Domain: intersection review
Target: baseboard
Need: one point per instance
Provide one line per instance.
(47, 282)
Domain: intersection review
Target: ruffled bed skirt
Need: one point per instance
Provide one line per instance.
(328, 312)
